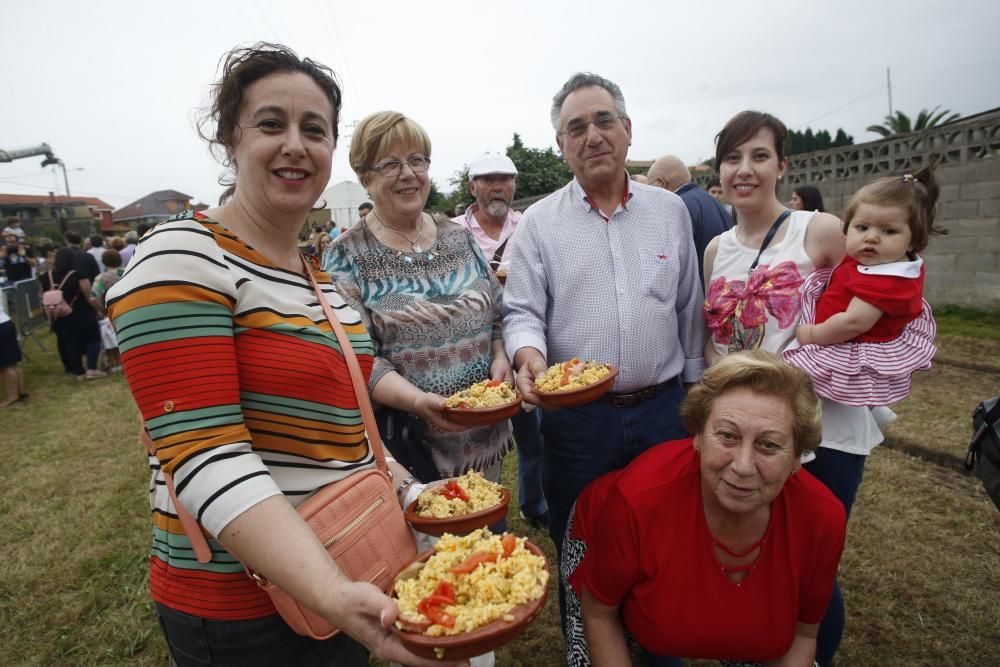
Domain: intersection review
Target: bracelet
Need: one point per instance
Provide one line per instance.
(401, 489)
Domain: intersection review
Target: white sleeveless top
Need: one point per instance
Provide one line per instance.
(761, 311)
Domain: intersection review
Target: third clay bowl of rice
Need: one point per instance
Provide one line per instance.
(574, 382)
(470, 595)
(484, 403)
(458, 506)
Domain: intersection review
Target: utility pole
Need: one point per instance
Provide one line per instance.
(888, 84)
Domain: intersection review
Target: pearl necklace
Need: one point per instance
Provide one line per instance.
(414, 246)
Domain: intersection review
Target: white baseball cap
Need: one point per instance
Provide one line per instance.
(492, 164)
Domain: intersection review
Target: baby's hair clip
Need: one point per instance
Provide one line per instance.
(910, 179)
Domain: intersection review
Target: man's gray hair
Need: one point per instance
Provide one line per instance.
(131, 237)
(586, 80)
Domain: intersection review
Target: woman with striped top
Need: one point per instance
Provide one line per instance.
(244, 389)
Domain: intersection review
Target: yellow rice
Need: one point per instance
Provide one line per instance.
(486, 594)
(481, 396)
(482, 494)
(551, 382)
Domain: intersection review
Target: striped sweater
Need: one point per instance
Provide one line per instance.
(244, 390)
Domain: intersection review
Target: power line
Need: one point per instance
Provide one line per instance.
(31, 175)
(81, 193)
(865, 96)
(260, 10)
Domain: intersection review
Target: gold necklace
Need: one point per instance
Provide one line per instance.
(414, 246)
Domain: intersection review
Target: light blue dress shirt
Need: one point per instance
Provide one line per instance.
(623, 291)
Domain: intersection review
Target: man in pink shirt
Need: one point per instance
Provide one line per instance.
(490, 218)
(492, 223)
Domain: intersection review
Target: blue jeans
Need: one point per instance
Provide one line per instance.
(841, 473)
(528, 437)
(258, 642)
(587, 441)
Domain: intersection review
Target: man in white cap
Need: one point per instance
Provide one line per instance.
(492, 223)
(490, 218)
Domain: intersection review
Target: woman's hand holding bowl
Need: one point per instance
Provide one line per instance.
(369, 615)
(430, 407)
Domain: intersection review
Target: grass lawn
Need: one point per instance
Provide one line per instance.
(921, 570)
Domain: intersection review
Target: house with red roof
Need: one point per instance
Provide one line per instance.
(155, 207)
(50, 215)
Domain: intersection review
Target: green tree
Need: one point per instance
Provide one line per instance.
(900, 123)
(434, 198)
(842, 139)
(460, 184)
(808, 141)
(539, 171)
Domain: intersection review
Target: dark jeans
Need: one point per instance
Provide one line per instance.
(260, 642)
(841, 473)
(584, 442)
(78, 335)
(528, 436)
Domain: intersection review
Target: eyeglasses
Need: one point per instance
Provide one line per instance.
(603, 122)
(392, 168)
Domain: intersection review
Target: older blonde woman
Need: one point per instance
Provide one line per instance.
(426, 294)
(718, 546)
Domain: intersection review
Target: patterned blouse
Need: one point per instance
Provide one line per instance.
(433, 316)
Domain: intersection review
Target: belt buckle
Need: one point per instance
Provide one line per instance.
(626, 400)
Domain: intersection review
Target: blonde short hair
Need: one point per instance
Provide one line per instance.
(380, 132)
(767, 374)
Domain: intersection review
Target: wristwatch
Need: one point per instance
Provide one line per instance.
(401, 489)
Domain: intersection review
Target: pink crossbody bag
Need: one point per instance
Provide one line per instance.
(358, 519)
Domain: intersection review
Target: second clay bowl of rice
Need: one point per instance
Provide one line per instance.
(470, 595)
(574, 382)
(459, 506)
(484, 403)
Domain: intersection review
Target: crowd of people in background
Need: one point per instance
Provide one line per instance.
(82, 270)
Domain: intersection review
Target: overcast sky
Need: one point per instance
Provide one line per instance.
(114, 87)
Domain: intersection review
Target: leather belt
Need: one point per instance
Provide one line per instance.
(635, 398)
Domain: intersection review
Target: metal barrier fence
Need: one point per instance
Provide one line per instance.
(23, 302)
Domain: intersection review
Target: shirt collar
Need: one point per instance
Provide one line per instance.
(627, 195)
(684, 188)
(899, 269)
(470, 217)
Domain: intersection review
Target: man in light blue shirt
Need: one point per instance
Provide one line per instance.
(603, 269)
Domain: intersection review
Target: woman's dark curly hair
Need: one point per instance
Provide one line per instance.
(241, 67)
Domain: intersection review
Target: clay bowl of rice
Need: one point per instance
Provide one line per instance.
(459, 506)
(470, 595)
(574, 382)
(486, 402)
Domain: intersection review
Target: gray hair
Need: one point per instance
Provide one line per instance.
(131, 237)
(585, 80)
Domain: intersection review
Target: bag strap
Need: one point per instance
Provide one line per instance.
(357, 379)
(65, 278)
(195, 534)
(767, 239)
(498, 255)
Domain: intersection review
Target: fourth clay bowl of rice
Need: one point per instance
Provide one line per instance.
(484, 403)
(574, 382)
(458, 506)
(470, 595)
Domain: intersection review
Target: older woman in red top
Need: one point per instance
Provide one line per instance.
(718, 546)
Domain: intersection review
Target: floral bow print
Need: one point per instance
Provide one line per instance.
(745, 305)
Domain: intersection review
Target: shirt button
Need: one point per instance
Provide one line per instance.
(168, 406)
